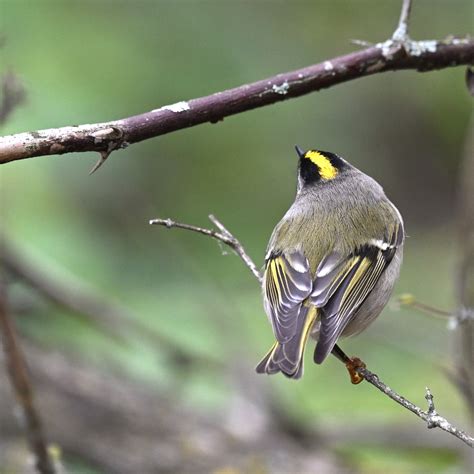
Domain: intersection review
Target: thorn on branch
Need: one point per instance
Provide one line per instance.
(103, 156)
(114, 137)
(390, 55)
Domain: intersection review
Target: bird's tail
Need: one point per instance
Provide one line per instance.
(288, 357)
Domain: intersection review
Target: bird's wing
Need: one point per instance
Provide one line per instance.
(287, 283)
(342, 284)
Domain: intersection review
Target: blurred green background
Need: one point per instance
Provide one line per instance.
(90, 61)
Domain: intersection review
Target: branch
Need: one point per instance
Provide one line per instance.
(109, 136)
(401, 33)
(465, 270)
(407, 299)
(13, 95)
(71, 293)
(223, 236)
(433, 420)
(19, 379)
(109, 414)
(431, 417)
(461, 315)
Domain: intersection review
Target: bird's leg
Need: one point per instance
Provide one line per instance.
(351, 363)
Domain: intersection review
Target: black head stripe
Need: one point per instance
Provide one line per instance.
(308, 171)
(335, 160)
(315, 165)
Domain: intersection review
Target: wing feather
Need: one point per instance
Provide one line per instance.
(288, 357)
(353, 278)
(340, 286)
(287, 283)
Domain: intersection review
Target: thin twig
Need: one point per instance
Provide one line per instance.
(409, 300)
(19, 379)
(454, 319)
(237, 246)
(106, 137)
(432, 419)
(401, 33)
(223, 236)
(428, 309)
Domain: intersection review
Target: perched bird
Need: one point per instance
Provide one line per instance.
(331, 263)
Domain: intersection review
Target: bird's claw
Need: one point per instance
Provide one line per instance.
(352, 365)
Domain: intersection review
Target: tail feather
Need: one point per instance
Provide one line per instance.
(268, 365)
(288, 357)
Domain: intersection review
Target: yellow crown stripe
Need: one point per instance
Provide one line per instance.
(326, 169)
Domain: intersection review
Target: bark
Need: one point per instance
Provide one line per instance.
(392, 55)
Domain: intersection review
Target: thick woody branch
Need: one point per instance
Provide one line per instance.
(430, 416)
(392, 55)
(465, 276)
(20, 382)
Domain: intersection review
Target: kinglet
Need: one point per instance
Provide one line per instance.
(331, 262)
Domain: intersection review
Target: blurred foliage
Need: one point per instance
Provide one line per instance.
(372, 461)
(99, 60)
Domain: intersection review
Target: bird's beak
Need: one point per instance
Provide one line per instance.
(299, 151)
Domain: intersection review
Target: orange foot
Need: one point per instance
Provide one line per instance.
(352, 365)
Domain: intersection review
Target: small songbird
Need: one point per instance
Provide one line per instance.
(331, 263)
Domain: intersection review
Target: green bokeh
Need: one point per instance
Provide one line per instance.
(99, 60)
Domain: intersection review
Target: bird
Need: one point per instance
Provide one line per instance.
(331, 263)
